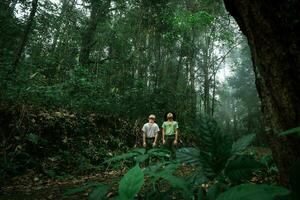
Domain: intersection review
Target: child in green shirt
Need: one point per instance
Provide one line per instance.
(170, 134)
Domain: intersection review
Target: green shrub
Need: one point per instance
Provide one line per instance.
(253, 192)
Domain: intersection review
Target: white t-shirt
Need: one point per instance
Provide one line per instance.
(150, 129)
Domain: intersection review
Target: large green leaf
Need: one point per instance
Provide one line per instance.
(188, 155)
(214, 146)
(214, 191)
(159, 152)
(253, 192)
(139, 150)
(99, 192)
(141, 158)
(178, 182)
(124, 156)
(241, 144)
(152, 169)
(291, 131)
(165, 171)
(161, 170)
(197, 177)
(130, 155)
(131, 183)
(240, 168)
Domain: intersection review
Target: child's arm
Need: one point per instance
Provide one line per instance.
(163, 133)
(176, 136)
(144, 139)
(163, 136)
(155, 139)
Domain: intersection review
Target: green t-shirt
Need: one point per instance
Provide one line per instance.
(170, 127)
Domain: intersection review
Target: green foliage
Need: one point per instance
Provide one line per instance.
(237, 168)
(253, 192)
(139, 155)
(218, 159)
(124, 156)
(269, 164)
(131, 183)
(214, 191)
(98, 193)
(65, 163)
(132, 65)
(99, 188)
(159, 152)
(142, 56)
(214, 146)
(165, 171)
(186, 20)
(197, 178)
(242, 143)
(188, 155)
(241, 168)
(291, 131)
(33, 138)
(60, 143)
(15, 163)
(162, 171)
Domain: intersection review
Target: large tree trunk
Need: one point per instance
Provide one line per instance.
(7, 21)
(26, 34)
(88, 36)
(98, 12)
(272, 29)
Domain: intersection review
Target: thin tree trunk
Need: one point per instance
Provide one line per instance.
(159, 70)
(206, 83)
(26, 34)
(59, 27)
(272, 29)
(213, 95)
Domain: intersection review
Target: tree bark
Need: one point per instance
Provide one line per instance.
(26, 34)
(98, 11)
(213, 98)
(272, 29)
(206, 83)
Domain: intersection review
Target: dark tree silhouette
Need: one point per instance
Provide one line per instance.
(26, 34)
(272, 29)
(98, 11)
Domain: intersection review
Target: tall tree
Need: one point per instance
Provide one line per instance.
(272, 29)
(99, 9)
(10, 34)
(24, 39)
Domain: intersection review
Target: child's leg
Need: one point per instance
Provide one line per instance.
(170, 146)
(149, 142)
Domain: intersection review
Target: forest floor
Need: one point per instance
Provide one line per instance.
(34, 186)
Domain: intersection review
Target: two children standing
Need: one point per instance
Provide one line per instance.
(169, 133)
